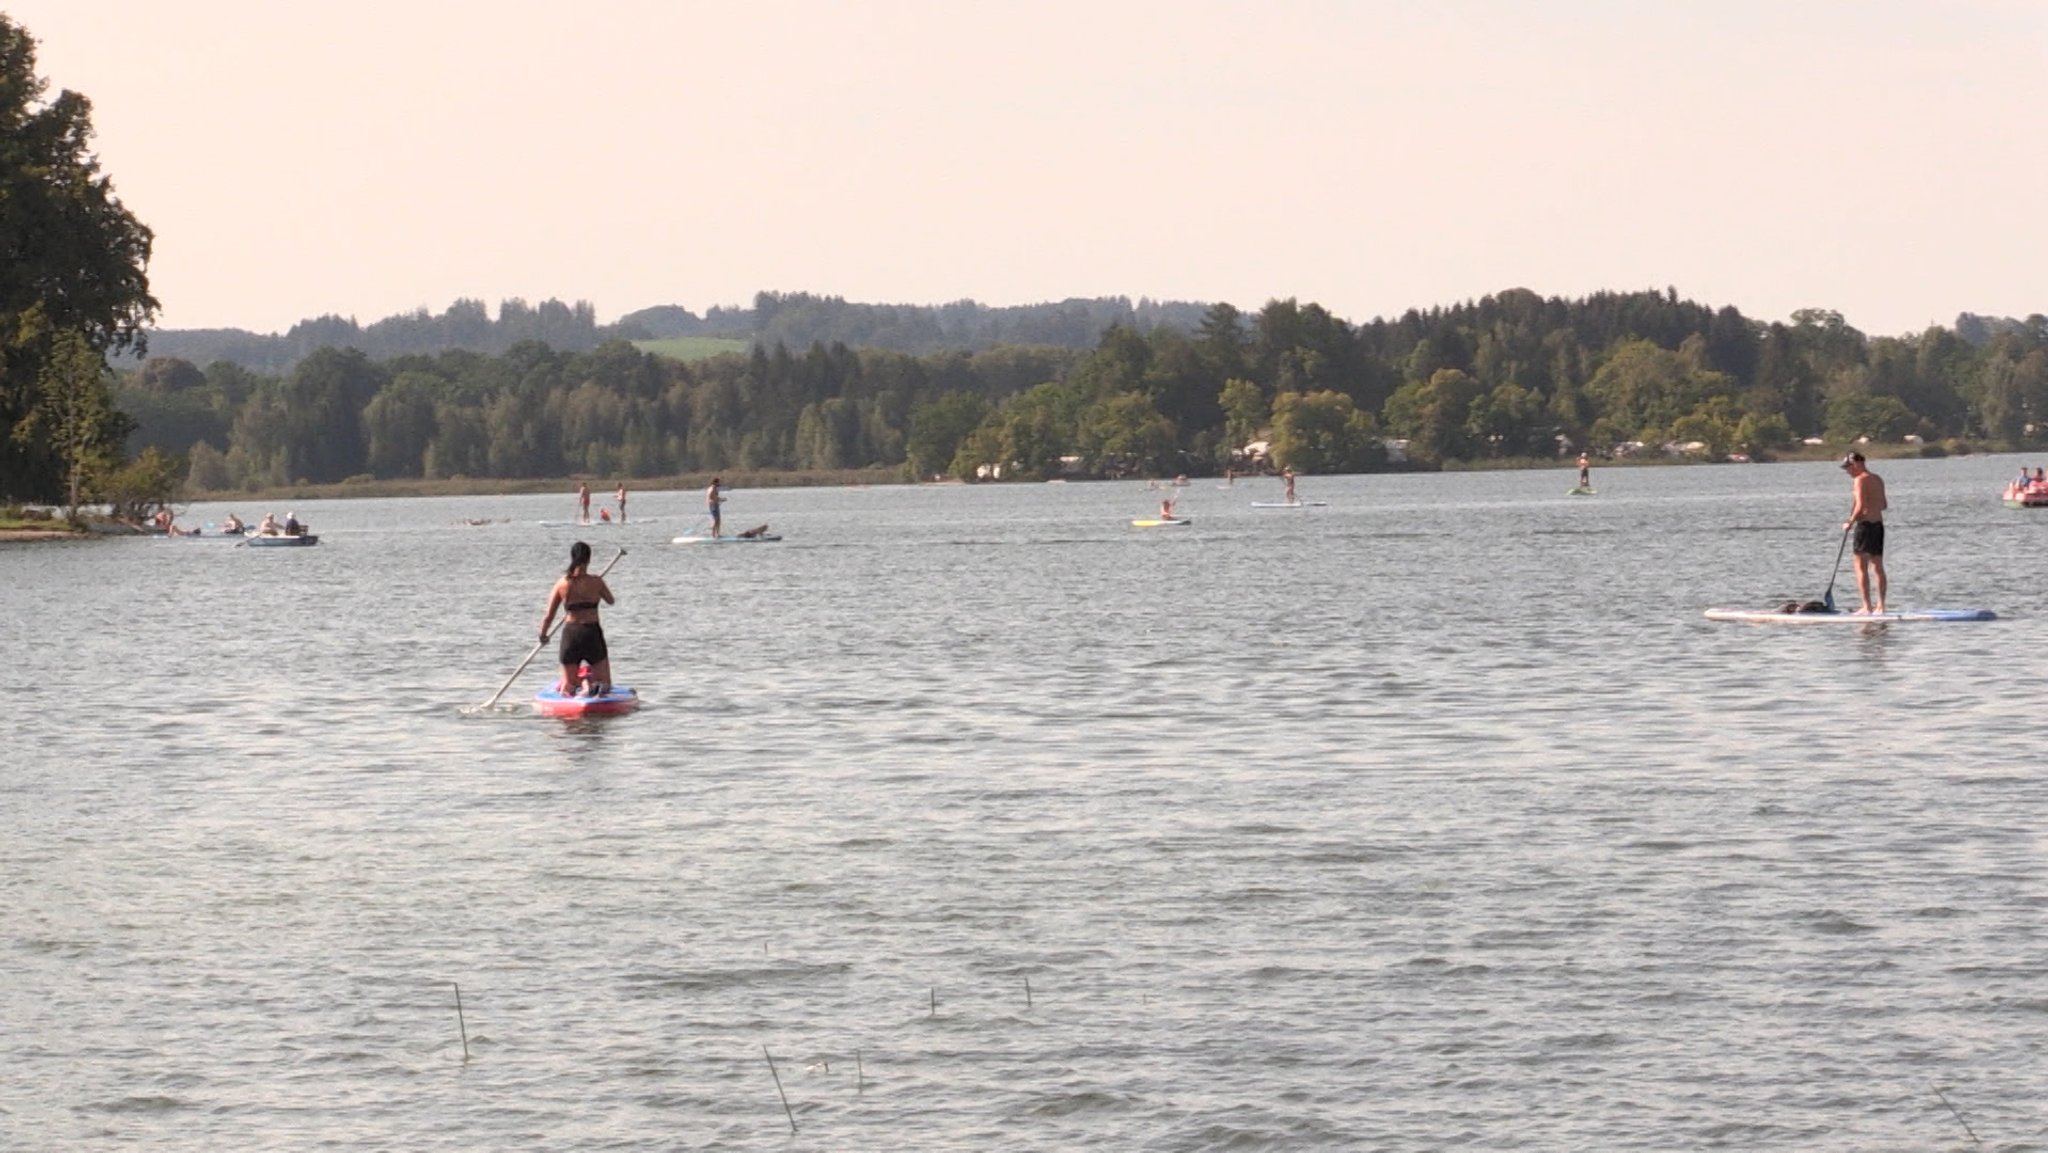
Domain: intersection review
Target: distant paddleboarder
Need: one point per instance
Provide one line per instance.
(1585, 472)
(1866, 520)
(712, 500)
(1287, 475)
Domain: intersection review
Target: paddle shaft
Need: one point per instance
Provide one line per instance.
(1828, 598)
(543, 642)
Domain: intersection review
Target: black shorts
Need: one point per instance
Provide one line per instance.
(1869, 539)
(583, 643)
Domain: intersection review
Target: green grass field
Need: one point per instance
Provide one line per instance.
(691, 347)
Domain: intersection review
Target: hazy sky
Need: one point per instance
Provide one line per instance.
(1881, 158)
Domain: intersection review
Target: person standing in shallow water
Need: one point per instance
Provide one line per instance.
(583, 503)
(622, 504)
(578, 594)
(1866, 521)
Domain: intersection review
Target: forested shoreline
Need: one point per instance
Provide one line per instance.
(1509, 377)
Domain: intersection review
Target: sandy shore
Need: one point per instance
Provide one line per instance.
(15, 534)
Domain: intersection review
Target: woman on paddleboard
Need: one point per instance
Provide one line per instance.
(577, 594)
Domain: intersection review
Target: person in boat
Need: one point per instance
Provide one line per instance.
(583, 503)
(2040, 481)
(1287, 476)
(233, 524)
(1866, 520)
(755, 533)
(712, 500)
(269, 527)
(292, 527)
(577, 594)
(622, 504)
(1585, 471)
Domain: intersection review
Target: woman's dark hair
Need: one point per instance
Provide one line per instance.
(579, 557)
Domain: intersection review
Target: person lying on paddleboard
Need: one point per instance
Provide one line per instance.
(577, 594)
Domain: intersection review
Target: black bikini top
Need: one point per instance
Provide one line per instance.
(580, 606)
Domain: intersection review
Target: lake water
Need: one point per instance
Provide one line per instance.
(1437, 817)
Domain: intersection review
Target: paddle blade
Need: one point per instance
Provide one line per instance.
(1829, 600)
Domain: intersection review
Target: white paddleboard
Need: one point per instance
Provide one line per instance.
(1905, 616)
(1290, 503)
(762, 539)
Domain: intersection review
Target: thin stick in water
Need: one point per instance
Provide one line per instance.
(1959, 1117)
(1027, 992)
(459, 1022)
(860, 1079)
(935, 1001)
(778, 1089)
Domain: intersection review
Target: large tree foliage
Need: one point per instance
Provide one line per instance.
(72, 263)
(74, 419)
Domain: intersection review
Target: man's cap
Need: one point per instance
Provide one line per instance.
(1852, 458)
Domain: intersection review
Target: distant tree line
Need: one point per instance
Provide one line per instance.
(797, 320)
(1514, 375)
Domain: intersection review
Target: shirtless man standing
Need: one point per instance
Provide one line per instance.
(1866, 517)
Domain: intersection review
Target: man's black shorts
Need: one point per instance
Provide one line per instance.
(1869, 539)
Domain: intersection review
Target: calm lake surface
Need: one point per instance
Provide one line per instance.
(1437, 817)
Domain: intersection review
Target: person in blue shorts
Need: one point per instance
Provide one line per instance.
(712, 500)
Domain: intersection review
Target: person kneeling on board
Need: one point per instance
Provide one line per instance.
(577, 594)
